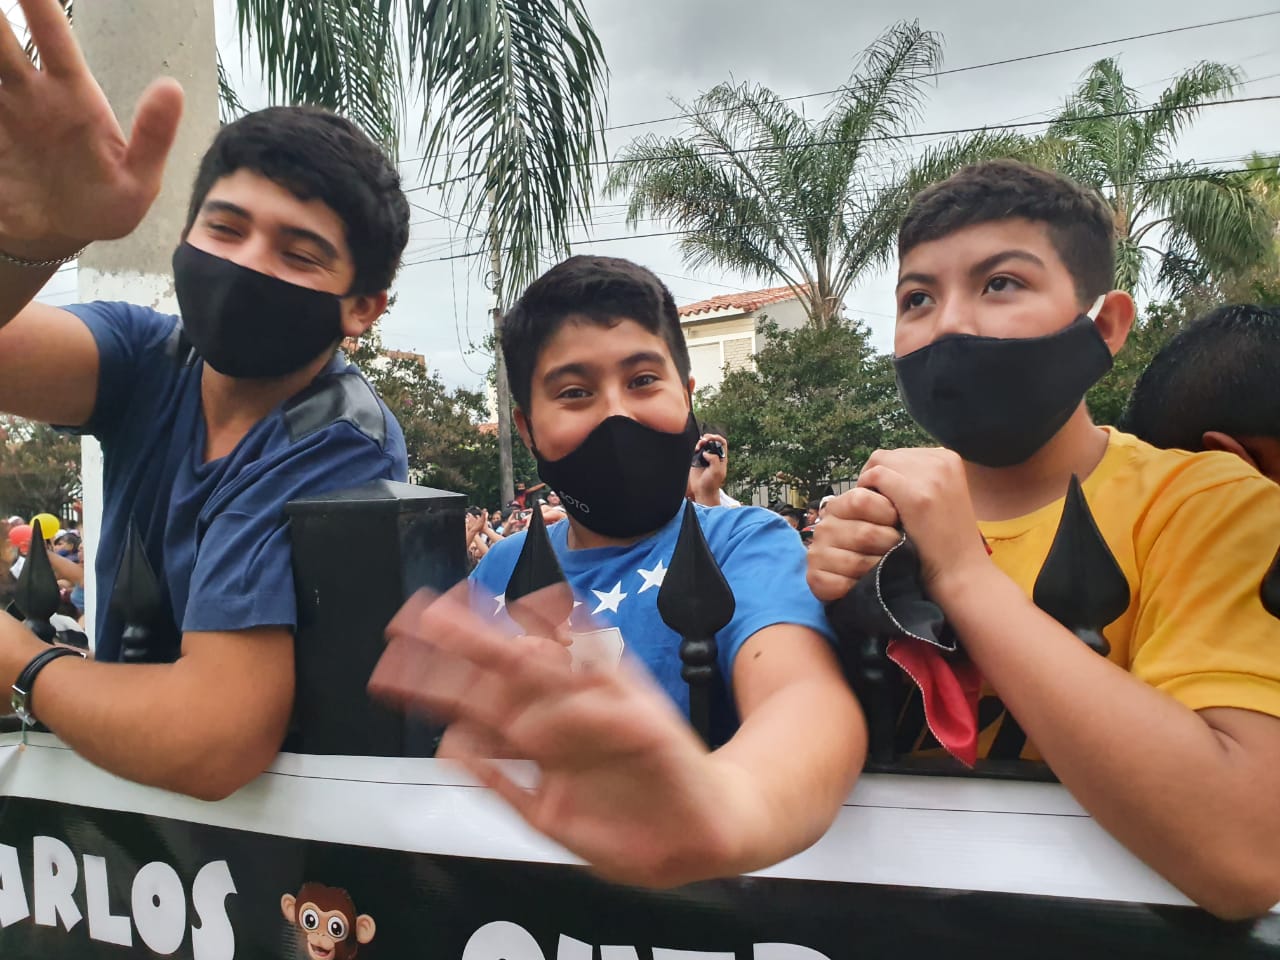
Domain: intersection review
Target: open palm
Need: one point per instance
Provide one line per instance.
(67, 171)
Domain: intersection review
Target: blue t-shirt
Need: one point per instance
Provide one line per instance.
(761, 556)
(215, 533)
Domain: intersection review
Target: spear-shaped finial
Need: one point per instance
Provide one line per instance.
(1081, 585)
(696, 602)
(138, 601)
(538, 594)
(37, 593)
(1270, 589)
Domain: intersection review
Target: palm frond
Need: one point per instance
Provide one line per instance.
(516, 89)
(339, 54)
(1179, 105)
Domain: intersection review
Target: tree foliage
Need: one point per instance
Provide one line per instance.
(39, 468)
(763, 190)
(1179, 225)
(446, 448)
(818, 403)
(514, 94)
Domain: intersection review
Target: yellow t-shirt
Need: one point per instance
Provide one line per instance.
(1194, 533)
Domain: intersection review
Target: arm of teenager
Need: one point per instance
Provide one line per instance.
(204, 725)
(69, 176)
(1181, 765)
(800, 747)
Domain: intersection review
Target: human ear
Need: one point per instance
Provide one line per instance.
(360, 312)
(288, 906)
(1115, 319)
(522, 426)
(365, 928)
(1216, 440)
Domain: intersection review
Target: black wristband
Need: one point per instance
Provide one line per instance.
(22, 699)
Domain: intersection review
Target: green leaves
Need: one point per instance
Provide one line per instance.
(761, 189)
(514, 95)
(1179, 225)
(818, 403)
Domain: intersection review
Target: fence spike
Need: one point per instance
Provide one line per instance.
(37, 594)
(696, 602)
(538, 594)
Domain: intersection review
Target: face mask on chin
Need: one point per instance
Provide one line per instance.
(625, 479)
(247, 324)
(997, 401)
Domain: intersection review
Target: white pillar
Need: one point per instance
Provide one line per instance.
(128, 43)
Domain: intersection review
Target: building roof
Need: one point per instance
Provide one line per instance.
(744, 302)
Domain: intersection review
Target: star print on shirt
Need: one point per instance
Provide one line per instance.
(609, 601)
(653, 578)
(501, 601)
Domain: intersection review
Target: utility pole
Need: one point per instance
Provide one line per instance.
(505, 465)
(127, 45)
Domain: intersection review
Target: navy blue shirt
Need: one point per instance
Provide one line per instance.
(215, 533)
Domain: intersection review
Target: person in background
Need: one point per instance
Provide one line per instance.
(708, 472)
(1215, 386)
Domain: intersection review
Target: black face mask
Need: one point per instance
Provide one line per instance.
(247, 324)
(624, 479)
(997, 401)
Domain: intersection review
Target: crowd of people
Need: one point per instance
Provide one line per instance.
(1006, 315)
(63, 546)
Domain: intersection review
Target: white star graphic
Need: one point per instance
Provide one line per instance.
(501, 601)
(611, 600)
(653, 578)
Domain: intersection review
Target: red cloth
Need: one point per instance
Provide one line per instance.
(950, 690)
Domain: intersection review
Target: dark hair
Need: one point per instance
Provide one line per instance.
(1081, 226)
(605, 291)
(1217, 373)
(315, 154)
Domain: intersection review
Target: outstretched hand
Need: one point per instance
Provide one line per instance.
(68, 174)
(625, 783)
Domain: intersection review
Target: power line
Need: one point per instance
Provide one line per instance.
(923, 76)
(992, 63)
(893, 137)
(780, 223)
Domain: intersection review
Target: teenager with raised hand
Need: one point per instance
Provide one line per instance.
(599, 371)
(209, 424)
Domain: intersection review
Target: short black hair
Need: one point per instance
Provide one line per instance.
(315, 154)
(604, 290)
(1081, 225)
(1217, 373)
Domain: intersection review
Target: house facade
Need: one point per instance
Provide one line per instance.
(721, 331)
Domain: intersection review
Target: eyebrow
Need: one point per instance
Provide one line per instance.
(584, 369)
(298, 233)
(981, 266)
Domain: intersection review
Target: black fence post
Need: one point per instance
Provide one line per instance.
(357, 556)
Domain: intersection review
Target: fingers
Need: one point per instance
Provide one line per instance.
(51, 33)
(155, 125)
(859, 529)
(14, 65)
(865, 504)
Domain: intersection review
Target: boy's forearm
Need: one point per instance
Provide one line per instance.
(155, 724)
(799, 754)
(1154, 773)
(19, 284)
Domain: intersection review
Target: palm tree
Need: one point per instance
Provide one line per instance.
(758, 188)
(1179, 225)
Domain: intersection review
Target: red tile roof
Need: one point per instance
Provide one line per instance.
(746, 301)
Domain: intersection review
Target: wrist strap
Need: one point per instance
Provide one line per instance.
(27, 678)
(39, 264)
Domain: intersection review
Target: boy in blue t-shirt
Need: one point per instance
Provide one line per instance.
(599, 371)
(209, 424)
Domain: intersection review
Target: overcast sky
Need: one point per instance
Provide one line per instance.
(665, 48)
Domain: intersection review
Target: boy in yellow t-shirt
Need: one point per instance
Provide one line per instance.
(1172, 741)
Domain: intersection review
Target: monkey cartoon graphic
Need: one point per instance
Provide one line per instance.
(327, 921)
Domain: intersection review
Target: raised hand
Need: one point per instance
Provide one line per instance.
(68, 175)
(624, 783)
